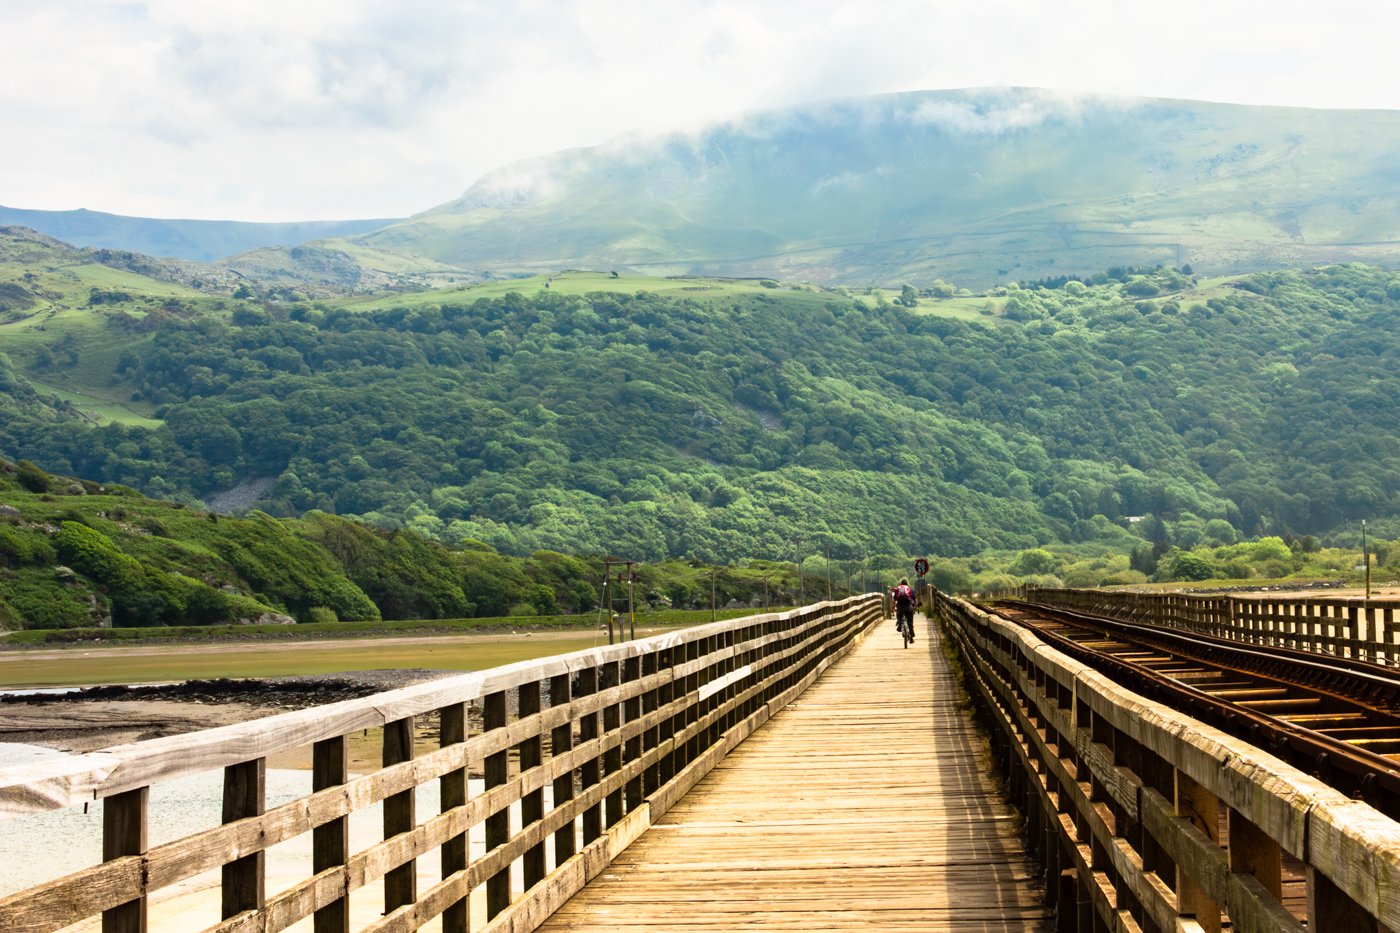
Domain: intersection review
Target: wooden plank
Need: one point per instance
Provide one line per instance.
(124, 833)
(497, 772)
(245, 795)
(851, 808)
(330, 842)
(400, 816)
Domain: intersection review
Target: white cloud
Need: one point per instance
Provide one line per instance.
(349, 108)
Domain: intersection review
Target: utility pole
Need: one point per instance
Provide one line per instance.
(828, 573)
(712, 594)
(631, 612)
(1366, 559)
(766, 606)
(605, 601)
(797, 559)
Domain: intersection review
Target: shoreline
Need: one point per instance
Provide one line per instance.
(97, 713)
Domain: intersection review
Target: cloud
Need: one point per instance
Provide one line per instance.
(266, 110)
(997, 115)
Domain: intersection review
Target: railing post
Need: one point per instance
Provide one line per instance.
(1202, 808)
(612, 758)
(1253, 852)
(245, 794)
(531, 754)
(124, 833)
(632, 711)
(561, 742)
(330, 842)
(590, 770)
(1331, 911)
(496, 770)
(651, 701)
(452, 793)
(400, 810)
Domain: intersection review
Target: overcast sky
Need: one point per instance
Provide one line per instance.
(326, 109)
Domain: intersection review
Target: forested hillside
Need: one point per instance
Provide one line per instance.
(76, 554)
(724, 427)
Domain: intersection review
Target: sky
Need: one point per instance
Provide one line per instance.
(279, 110)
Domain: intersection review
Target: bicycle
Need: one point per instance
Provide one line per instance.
(904, 622)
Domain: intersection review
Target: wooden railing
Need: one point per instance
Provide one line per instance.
(1365, 629)
(1147, 820)
(615, 734)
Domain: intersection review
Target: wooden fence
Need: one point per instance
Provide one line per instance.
(1365, 629)
(1147, 820)
(617, 734)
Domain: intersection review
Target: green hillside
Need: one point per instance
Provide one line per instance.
(976, 187)
(720, 420)
(75, 554)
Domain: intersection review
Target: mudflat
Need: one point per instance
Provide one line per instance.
(308, 674)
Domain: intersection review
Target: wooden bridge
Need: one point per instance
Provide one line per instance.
(798, 771)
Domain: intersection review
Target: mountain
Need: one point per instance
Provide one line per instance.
(975, 187)
(198, 240)
(39, 273)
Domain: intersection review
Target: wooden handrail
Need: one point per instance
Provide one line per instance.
(618, 733)
(1350, 627)
(1126, 799)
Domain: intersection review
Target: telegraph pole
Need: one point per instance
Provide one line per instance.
(1366, 559)
(797, 559)
(828, 573)
(712, 593)
(631, 612)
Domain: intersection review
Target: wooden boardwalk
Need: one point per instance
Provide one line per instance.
(865, 805)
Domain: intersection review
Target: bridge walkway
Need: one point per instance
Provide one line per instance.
(865, 804)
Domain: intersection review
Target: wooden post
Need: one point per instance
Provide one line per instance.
(561, 741)
(245, 794)
(330, 842)
(452, 793)
(1202, 808)
(1331, 911)
(589, 771)
(124, 833)
(401, 883)
(1253, 852)
(612, 758)
(497, 772)
(632, 711)
(651, 778)
(665, 767)
(531, 753)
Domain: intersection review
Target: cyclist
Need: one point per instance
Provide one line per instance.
(904, 607)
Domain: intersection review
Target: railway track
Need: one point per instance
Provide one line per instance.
(1335, 718)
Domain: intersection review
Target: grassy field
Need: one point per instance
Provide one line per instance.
(311, 631)
(185, 662)
(970, 308)
(580, 283)
(106, 409)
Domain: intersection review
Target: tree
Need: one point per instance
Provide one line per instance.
(1034, 562)
(908, 297)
